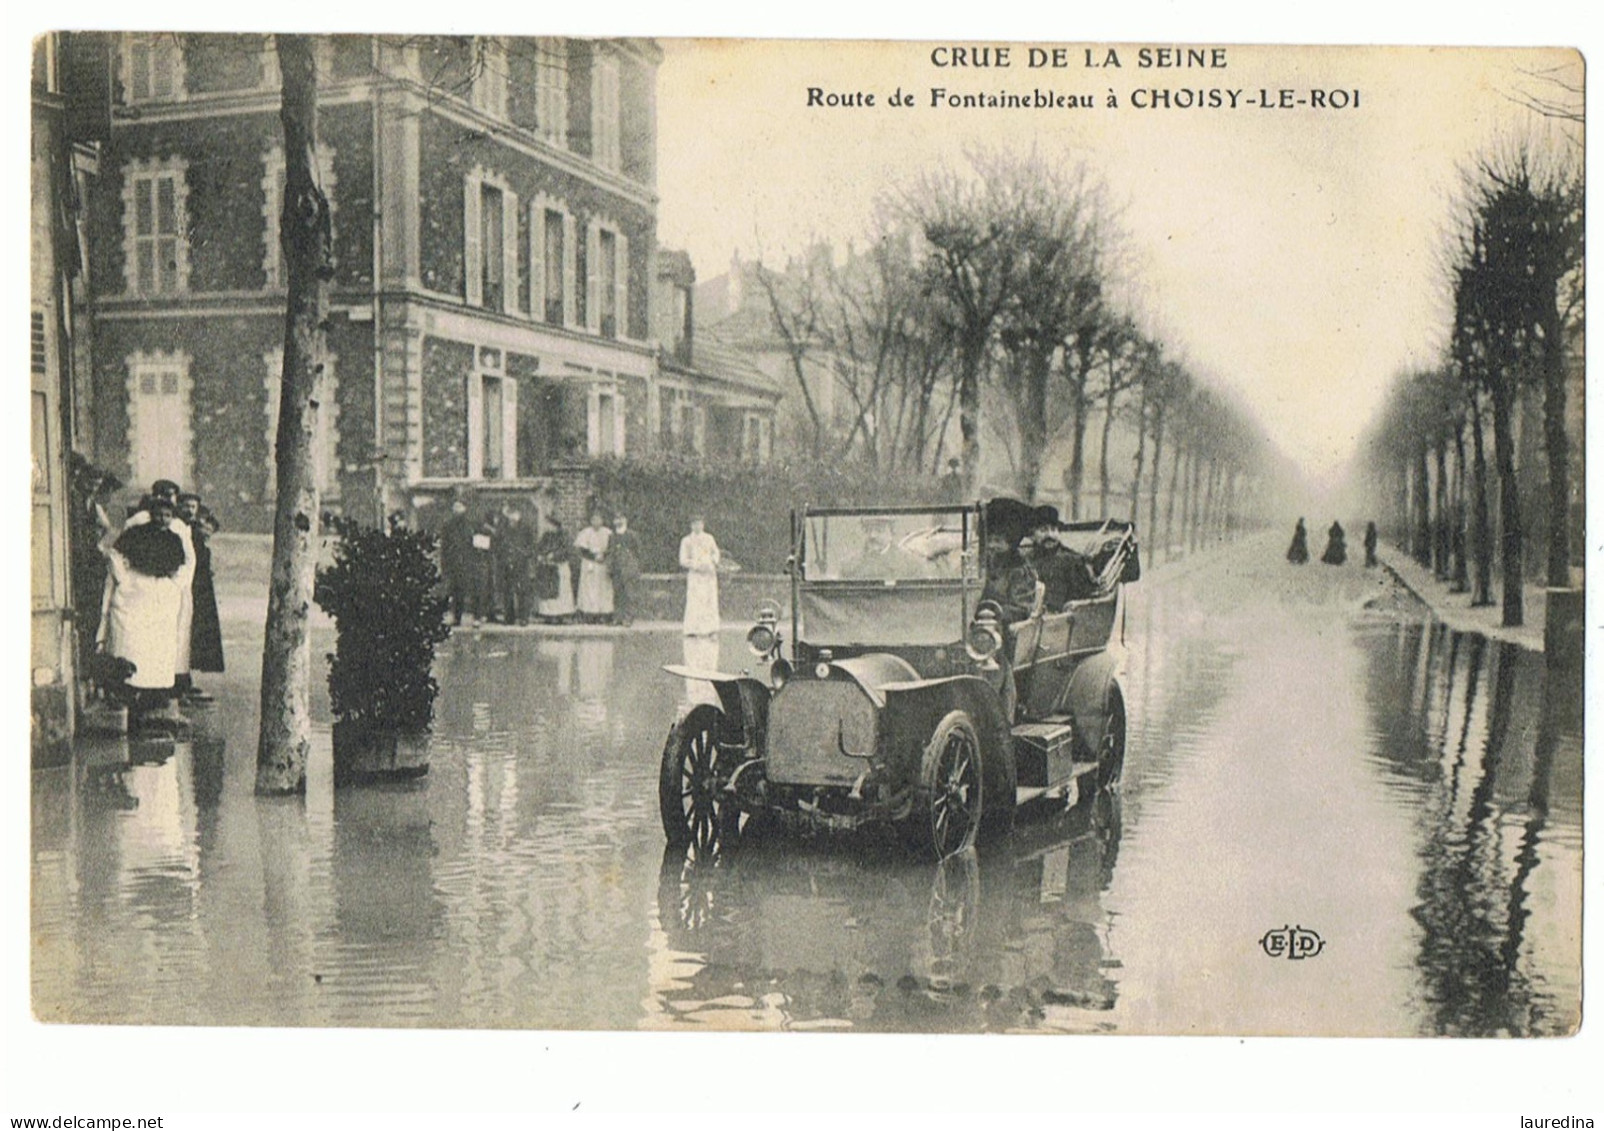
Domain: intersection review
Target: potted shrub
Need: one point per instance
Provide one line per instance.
(382, 591)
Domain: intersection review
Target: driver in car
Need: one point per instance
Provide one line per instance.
(1010, 581)
(882, 558)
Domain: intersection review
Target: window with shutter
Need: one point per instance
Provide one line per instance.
(155, 227)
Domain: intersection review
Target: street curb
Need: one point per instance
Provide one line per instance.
(1491, 632)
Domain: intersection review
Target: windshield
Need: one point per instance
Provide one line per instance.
(880, 547)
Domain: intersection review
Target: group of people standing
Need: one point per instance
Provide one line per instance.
(158, 620)
(1336, 552)
(501, 566)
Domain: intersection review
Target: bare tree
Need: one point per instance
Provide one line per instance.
(285, 729)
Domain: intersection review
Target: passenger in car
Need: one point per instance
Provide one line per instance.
(1066, 574)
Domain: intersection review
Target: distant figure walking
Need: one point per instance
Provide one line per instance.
(1370, 545)
(699, 557)
(1298, 552)
(1336, 545)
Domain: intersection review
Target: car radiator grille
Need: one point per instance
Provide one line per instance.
(808, 722)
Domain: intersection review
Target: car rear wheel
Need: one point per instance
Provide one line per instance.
(948, 816)
(1111, 751)
(696, 810)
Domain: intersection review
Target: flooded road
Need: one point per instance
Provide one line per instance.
(1297, 761)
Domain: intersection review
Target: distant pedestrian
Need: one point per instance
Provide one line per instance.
(205, 627)
(456, 561)
(1298, 552)
(515, 559)
(1370, 545)
(595, 592)
(699, 556)
(952, 483)
(1336, 545)
(554, 586)
(624, 562)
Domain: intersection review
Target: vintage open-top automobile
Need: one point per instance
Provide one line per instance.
(946, 664)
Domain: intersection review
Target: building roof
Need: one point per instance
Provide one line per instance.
(727, 365)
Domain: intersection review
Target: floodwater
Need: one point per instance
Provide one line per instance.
(1309, 756)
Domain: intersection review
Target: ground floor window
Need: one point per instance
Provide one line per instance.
(492, 426)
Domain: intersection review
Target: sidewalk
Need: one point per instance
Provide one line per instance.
(1454, 609)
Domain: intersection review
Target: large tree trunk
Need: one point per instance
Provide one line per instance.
(1420, 541)
(1461, 573)
(284, 736)
(1441, 528)
(1508, 507)
(1482, 593)
(1077, 448)
(1033, 422)
(1158, 464)
(1140, 458)
(1102, 452)
(1556, 445)
(1169, 506)
(973, 354)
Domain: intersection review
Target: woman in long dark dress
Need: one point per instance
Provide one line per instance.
(205, 629)
(1298, 552)
(1336, 545)
(1370, 545)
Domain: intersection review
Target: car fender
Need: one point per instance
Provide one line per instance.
(915, 707)
(744, 701)
(1087, 697)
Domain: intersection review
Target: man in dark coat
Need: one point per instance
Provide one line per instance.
(205, 628)
(1370, 544)
(623, 562)
(456, 561)
(514, 552)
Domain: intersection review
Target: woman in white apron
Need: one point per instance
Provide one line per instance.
(150, 571)
(699, 557)
(595, 594)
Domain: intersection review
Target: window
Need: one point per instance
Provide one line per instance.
(490, 77)
(554, 248)
(604, 423)
(158, 417)
(757, 438)
(153, 68)
(493, 246)
(606, 280)
(606, 148)
(551, 90)
(273, 205)
(682, 429)
(492, 420)
(490, 239)
(325, 449)
(155, 227)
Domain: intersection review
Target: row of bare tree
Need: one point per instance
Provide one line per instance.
(989, 294)
(1515, 269)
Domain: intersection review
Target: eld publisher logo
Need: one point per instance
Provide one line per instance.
(1292, 942)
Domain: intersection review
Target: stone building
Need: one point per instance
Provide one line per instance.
(495, 226)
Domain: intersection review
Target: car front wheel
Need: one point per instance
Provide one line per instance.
(948, 816)
(696, 809)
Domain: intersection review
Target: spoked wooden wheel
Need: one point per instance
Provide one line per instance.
(949, 816)
(696, 810)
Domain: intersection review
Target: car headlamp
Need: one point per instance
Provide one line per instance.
(779, 673)
(762, 639)
(983, 640)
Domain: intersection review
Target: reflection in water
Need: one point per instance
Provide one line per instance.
(852, 933)
(700, 654)
(1479, 769)
(1420, 806)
